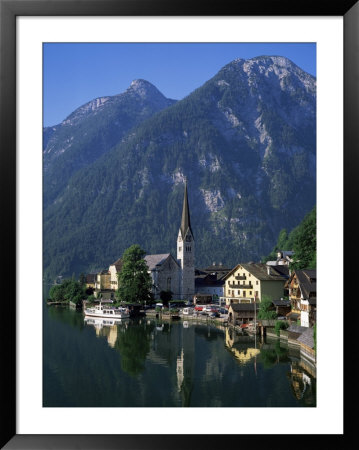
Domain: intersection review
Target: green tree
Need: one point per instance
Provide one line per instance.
(166, 297)
(134, 280)
(265, 311)
(68, 290)
(305, 243)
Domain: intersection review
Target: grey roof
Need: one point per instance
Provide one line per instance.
(118, 264)
(154, 261)
(306, 337)
(307, 280)
(296, 329)
(313, 301)
(281, 302)
(260, 271)
(208, 280)
(283, 270)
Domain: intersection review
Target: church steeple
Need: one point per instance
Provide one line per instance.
(186, 220)
(185, 251)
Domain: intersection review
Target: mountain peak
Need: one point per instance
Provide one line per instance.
(143, 88)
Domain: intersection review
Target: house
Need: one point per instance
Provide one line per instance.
(115, 269)
(302, 287)
(210, 281)
(281, 307)
(103, 281)
(246, 282)
(284, 257)
(239, 313)
(91, 280)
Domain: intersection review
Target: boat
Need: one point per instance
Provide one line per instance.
(107, 312)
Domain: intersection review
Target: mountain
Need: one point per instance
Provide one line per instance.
(92, 130)
(245, 141)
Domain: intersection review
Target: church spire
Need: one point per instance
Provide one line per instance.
(186, 220)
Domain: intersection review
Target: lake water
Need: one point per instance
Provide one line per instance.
(151, 363)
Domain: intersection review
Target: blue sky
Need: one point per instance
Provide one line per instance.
(75, 73)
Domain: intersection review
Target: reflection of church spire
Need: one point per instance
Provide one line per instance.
(179, 371)
(185, 366)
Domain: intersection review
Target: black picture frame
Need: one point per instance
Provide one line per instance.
(9, 10)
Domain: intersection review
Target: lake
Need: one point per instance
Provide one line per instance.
(149, 363)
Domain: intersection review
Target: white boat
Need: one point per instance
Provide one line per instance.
(107, 312)
(187, 311)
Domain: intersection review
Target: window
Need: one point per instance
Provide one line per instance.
(257, 282)
(250, 292)
(168, 283)
(180, 249)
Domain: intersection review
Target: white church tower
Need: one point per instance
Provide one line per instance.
(185, 252)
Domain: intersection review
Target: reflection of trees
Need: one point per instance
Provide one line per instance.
(66, 315)
(273, 354)
(133, 343)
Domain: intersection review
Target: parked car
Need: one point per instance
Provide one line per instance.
(214, 314)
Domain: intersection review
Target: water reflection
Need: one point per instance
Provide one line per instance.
(243, 347)
(150, 362)
(302, 377)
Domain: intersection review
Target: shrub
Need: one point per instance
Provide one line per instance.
(280, 325)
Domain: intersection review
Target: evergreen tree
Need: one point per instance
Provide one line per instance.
(134, 280)
(305, 243)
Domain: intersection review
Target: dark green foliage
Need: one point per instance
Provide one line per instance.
(302, 240)
(265, 309)
(280, 325)
(166, 297)
(134, 281)
(68, 290)
(305, 243)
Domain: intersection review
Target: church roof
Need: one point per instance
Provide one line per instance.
(156, 260)
(186, 219)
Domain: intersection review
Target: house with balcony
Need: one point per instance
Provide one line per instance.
(210, 281)
(302, 287)
(246, 282)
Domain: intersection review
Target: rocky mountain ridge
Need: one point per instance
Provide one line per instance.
(246, 143)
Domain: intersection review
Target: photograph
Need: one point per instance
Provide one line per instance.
(179, 224)
(173, 182)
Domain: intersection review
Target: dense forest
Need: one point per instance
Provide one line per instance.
(302, 240)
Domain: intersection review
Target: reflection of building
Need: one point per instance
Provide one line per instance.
(244, 354)
(302, 383)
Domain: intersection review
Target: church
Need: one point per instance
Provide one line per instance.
(167, 272)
